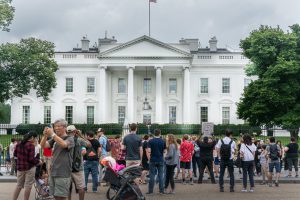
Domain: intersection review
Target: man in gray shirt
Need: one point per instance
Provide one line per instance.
(133, 145)
(61, 168)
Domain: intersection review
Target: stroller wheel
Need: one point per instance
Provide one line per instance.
(111, 193)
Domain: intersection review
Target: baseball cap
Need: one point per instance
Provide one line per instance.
(71, 128)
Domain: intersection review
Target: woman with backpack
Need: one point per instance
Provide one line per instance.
(247, 153)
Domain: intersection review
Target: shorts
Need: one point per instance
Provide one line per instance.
(216, 161)
(276, 165)
(26, 178)
(78, 179)
(59, 187)
(185, 165)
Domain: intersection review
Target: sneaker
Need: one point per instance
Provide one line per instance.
(276, 184)
(149, 193)
(251, 190)
(288, 176)
(231, 190)
(244, 190)
(162, 193)
(221, 189)
(183, 182)
(172, 192)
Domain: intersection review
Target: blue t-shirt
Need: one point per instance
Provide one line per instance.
(157, 146)
(103, 141)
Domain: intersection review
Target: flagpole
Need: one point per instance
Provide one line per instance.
(149, 17)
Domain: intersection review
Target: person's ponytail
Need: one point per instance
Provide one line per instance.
(27, 136)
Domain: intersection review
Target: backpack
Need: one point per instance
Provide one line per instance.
(273, 152)
(107, 145)
(91, 154)
(76, 156)
(225, 150)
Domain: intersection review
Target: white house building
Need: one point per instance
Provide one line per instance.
(109, 82)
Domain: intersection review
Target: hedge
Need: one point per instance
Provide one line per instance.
(176, 129)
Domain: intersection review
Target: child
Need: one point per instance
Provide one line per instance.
(41, 176)
(263, 159)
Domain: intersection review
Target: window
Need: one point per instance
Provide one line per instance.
(147, 119)
(172, 114)
(147, 85)
(90, 110)
(204, 85)
(90, 85)
(47, 114)
(121, 86)
(121, 114)
(69, 114)
(203, 114)
(225, 115)
(226, 85)
(172, 85)
(26, 115)
(69, 84)
(247, 81)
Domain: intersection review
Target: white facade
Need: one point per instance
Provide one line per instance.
(174, 76)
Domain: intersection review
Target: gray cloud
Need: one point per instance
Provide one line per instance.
(65, 22)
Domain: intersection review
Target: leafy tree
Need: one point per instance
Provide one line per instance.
(6, 14)
(4, 113)
(27, 65)
(274, 98)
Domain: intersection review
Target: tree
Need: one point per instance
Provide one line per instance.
(274, 98)
(6, 14)
(4, 113)
(27, 65)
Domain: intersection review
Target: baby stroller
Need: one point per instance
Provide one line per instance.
(121, 184)
(41, 185)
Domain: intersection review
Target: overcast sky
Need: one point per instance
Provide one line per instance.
(64, 22)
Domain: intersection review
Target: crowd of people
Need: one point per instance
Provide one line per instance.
(69, 157)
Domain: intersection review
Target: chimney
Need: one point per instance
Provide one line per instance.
(85, 44)
(193, 43)
(213, 44)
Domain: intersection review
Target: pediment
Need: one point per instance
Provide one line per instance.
(175, 101)
(203, 101)
(90, 100)
(145, 47)
(26, 100)
(69, 100)
(226, 101)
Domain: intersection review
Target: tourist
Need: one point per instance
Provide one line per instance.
(156, 148)
(186, 152)
(206, 158)
(171, 162)
(145, 160)
(103, 141)
(61, 168)
(225, 148)
(196, 157)
(178, 163)
(274, 153)
(263, 159)
(292, 156)
(11, 155)
(247, 152)
(26, 164)
(216, 161)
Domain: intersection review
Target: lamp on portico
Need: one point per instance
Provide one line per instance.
(146, 104)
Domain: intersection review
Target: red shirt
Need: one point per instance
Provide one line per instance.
(47, 152)
(186, 151)
(25, 156)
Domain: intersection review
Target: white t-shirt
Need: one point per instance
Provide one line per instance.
(227, 140)
(37, 149)
(248, 156)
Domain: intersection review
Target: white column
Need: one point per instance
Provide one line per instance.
(158, 103)
(102, 94)
(186, 95)
(130, 108)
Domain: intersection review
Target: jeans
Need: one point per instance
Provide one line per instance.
(91, 167)
(206, 163)
(223, 165)
(291, 162)
(248, 167)
(153, 166)
(196, 163)
(170, 176)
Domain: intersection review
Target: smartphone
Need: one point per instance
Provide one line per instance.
(49, 125)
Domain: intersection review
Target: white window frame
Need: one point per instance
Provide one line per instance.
(66, 85)
(169, 86)
(89, 116)
(202, 87)
(89, 87)
(125, 87)
(225, 119)
(67, 117)
(201, 120)
(225, 88)
(47, 115)
(121, 119)
(172, 120)
(147, 85)
(26, 115)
